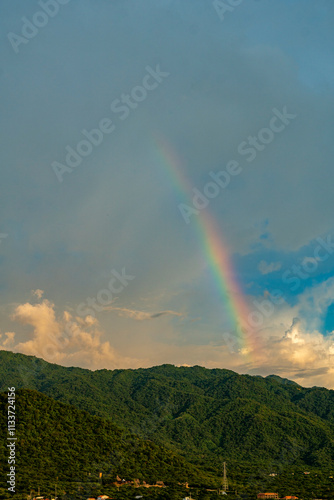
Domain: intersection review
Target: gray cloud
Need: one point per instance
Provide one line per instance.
(118, 208)
(141, 315)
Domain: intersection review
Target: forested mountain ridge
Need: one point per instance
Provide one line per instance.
(56, 442)
(193, 410)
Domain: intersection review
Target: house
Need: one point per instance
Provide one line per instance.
(267, 495)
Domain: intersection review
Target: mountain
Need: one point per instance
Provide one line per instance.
(206, 415)
(56, 442)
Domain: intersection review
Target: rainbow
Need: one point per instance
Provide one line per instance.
(216, 255)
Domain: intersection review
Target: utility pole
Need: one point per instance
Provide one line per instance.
(225, 483)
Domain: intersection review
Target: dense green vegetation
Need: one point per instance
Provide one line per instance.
(56, 440)
(194, 411)
(258, 425)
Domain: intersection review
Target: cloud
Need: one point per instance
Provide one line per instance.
(306, 357)
(8, 341)
(293, 344)
(290, 345)
(311, 373)
(141, 315)
(122, 200)
(66, 340)
(305, 349)
(38, 293)
(266, 268)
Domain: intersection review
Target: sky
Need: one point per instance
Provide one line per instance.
(166, 189)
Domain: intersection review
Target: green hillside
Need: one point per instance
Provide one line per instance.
(56, 440)
(63, 447)
(200, 413)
